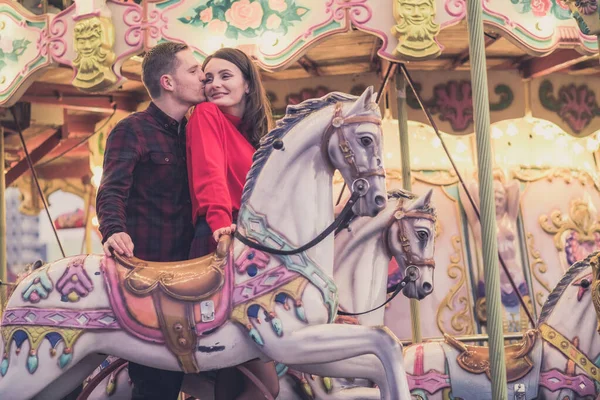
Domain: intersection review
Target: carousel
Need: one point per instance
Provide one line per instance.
(480, 276)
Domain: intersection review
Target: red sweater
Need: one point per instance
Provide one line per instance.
(218, 158)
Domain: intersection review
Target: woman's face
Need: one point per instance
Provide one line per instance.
(225, 86)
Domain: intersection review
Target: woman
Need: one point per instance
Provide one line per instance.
(222, 135)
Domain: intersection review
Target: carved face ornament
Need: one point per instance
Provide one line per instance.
(415, 12)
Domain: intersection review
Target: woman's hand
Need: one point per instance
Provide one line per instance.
(228, 230)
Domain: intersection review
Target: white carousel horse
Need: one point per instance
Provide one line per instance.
(205, 314)
(410, 238)
(559, 360)
(409, 232)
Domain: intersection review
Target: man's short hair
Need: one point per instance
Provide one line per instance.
(160, 60)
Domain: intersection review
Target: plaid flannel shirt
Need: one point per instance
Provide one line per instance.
(144, 189)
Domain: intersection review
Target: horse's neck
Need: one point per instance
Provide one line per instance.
(573, 318)
(294, 192)
(361, 266)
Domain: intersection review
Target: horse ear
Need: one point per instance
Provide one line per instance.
(364, 101)
(421, 202)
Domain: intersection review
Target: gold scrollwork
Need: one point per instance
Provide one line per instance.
(580, 220)
(461, 320)
(595, 288)
(440, 177)
(31, 202)
(538, 267)
(416, 29)
(533, 174)
(94, 42)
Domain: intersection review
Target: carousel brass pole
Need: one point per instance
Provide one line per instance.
(491, 271)
(3, 263)
(415, 316)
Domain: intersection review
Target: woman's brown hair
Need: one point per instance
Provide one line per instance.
(257, 119)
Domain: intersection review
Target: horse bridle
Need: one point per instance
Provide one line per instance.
(412, 261)
(336, 127)
(360, 185)
(410, 257)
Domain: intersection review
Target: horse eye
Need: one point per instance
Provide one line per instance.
(366, 141)
(422, 235)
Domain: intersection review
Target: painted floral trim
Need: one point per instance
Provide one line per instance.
(249, 18)
(540, 8)
(11, 50)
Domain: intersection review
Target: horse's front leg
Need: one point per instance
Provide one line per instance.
(320, 344)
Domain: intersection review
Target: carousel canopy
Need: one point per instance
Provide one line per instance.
(542, 61)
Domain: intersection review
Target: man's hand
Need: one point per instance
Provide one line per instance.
(121, 243)
(228, 230)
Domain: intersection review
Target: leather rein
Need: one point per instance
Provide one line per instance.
(411, 259)
(360, 186)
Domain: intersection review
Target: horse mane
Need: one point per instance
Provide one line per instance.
(293, 115)
(562, 285)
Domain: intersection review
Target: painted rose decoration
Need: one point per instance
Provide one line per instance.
(249, 18)
(540, 8)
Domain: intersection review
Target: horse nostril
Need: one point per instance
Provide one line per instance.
(380, 201)
(427, 287)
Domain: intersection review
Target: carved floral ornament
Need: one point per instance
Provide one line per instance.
(453, 103)
(582, 220)
(576, 105)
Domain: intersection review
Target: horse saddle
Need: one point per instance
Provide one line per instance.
(175, 288)
(475, 359)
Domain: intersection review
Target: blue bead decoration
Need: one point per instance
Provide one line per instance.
(4, 367)
(281, 369)
(64, 359)
(256, 337)
(301, 314)
(277, 326)
(32, 364)
(252, 270)
(250, 256)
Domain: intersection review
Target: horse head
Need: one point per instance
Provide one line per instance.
(410, 238)
(353, 145)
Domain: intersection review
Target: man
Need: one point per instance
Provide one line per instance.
(143, 200)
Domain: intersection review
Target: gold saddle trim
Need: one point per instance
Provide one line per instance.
(190, 280)
(476, 359)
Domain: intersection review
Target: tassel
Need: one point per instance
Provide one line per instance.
(308, 390)
(32, 363)
(328, 383)
(111, 386)
(4, 367)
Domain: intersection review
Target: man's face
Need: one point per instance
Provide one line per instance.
(188, 79)
(416, 12)
(88, 43)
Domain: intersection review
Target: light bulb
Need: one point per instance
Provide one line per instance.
(496, 132)
(512, 130)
